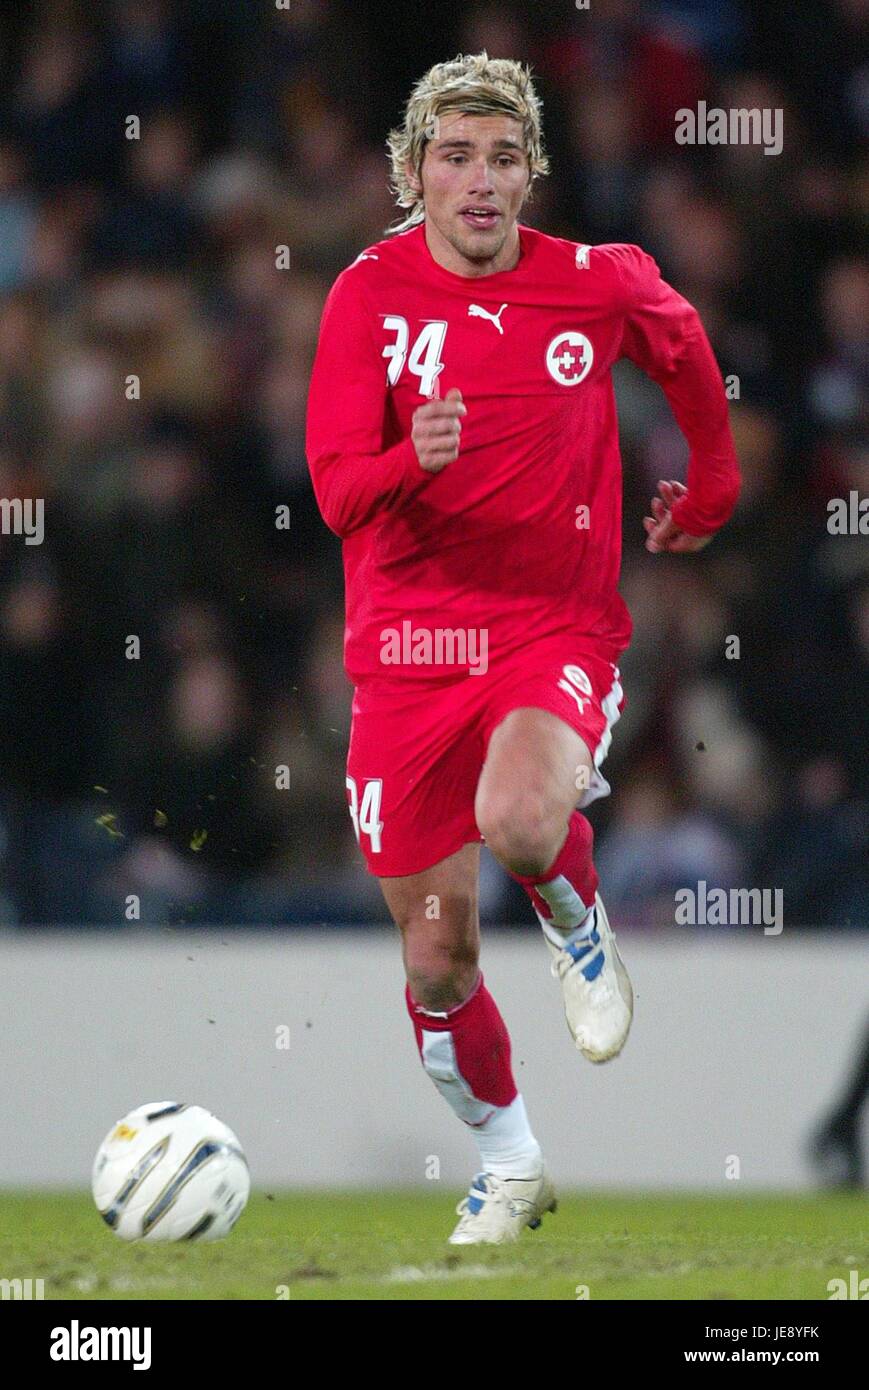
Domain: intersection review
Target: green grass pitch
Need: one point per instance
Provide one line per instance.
(392, 1245)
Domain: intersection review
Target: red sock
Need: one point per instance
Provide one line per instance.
(468, 1045)
(563, 894)
(466, 1052)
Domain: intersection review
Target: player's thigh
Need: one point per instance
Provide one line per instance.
(530, 773)
(437, 913)
(547, 726)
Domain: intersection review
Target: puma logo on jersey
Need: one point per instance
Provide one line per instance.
(476, 311)
(582, 253)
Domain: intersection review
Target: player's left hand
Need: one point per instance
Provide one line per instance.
(662, 533)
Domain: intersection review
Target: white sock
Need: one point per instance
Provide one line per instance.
(507, 1147)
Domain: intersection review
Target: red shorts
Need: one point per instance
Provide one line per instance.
(417, 748)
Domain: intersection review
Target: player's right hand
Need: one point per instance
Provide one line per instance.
(437, 429)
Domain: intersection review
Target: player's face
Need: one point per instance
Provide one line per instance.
(476, 162)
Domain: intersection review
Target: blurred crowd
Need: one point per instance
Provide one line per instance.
(154, 357)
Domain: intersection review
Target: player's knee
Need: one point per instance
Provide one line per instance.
(441, 973)
(523, 834)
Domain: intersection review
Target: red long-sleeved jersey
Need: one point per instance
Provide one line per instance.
(521, 534)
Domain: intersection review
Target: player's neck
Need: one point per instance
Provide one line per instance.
(449, 258)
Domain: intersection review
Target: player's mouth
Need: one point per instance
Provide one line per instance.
(479, 215)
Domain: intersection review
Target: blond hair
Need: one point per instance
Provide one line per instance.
(475, 85)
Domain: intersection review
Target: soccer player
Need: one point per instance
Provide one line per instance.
(462, 441)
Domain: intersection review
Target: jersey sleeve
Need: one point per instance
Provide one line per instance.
(355, 479)
(663, 335)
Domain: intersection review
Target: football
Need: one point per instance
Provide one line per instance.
(170, 1171)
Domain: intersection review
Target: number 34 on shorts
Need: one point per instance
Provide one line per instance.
(366, 815)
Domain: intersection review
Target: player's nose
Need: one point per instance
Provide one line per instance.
(481, 178)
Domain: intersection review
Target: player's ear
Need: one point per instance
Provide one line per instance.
(413, 178)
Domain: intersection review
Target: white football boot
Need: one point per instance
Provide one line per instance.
(497, 1210)
(598, 999)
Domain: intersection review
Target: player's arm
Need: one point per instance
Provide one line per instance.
(356, 480)
(664, 336)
